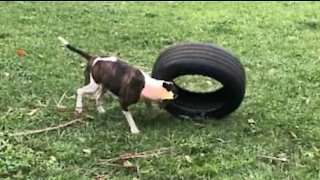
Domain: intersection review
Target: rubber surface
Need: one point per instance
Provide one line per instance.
(207, 60)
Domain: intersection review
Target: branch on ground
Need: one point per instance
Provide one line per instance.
(144, 154)
(282, 159)
(127, 156)
(75, 121)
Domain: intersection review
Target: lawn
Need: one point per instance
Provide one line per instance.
(275, 133)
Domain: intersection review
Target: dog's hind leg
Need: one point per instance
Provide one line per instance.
(92, 87)
(98, 98)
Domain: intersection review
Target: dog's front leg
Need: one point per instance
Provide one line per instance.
(133, 127)
(132, 124)
(153, 111)
(90, 88)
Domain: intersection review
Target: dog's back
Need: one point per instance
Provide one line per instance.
(119, 78)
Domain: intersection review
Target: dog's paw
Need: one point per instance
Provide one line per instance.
(135, 131)
(78, 110)
(101, 110)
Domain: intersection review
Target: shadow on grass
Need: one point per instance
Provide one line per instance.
(164, 120)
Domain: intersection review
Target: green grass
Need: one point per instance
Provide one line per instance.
(277, 42)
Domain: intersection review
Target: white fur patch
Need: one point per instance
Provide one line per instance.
(111, 59)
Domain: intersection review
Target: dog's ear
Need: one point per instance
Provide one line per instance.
(171, 89)
(167, 85)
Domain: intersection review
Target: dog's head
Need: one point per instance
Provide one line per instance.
(171, 91)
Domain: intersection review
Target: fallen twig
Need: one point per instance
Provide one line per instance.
(75, 121)
(283, 159)
(144, 154)
(127, 164)
(114, 165)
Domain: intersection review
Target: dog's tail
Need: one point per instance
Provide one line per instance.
(74, 49)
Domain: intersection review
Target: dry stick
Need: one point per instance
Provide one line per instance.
(47, 129)
(116, 165)
(144, 154)
(75, 121)
(274, 158)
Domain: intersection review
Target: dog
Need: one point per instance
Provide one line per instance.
(129, 84)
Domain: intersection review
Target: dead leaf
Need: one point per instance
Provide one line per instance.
(127, 164)
(39, 103)
(32, 112)
(87, 151)
(52, 159)
(100, 177)
(61, 107)
(251, 121)
(130, 167)
(10, 110)
(309, 154)
(307, 100)
(221, 140)
(293, 135)
(20, 52)
(282, 155)
(283, 159)
(89, 116)
(188, 158)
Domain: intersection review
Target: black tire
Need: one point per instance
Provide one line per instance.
(207, 60)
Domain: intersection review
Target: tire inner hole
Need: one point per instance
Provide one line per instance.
(197, 83)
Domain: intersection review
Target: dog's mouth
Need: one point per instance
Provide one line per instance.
(164, 102)
(172, 97)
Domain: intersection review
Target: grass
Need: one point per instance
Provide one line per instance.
(277, 42)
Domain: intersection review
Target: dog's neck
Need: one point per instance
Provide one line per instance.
(153, 89)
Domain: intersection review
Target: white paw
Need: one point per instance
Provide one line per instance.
(79, 110)
(135, 131)
(101, 110)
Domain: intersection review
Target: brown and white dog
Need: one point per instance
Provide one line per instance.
(129, 84)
